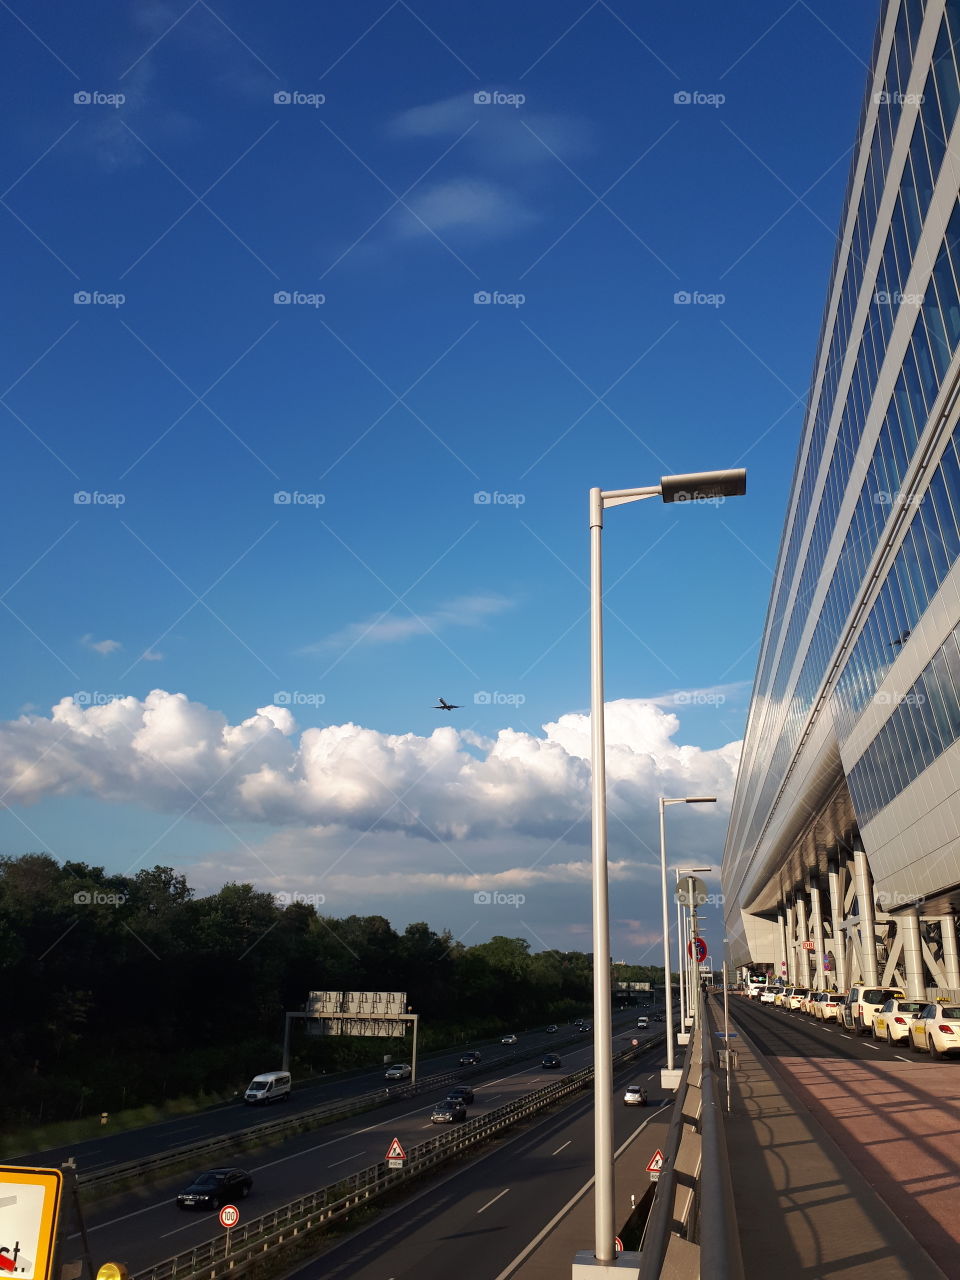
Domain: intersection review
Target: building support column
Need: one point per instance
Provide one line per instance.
(836, 918)
(791, 945)
(803, 954)
(816, 923)
(782, 963)
(948, 947)
(868, 928)
(908, 926)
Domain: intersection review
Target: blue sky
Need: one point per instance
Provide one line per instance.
(614, 161)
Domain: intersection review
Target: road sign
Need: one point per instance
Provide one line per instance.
(229, 1216)
(809, 946)
(396, 1157)
(29, 1209)
(701, 947)
(682, 892)
(655, 1165)
(618, 1243)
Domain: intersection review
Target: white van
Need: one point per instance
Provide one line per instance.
(272, 1086)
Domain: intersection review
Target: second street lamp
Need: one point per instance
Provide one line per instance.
(695, 488)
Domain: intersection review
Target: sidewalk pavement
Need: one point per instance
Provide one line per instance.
(804, 1210)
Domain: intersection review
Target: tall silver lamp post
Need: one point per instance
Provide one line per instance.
(696, 488)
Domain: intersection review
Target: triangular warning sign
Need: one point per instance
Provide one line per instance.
(656, 1162)
(397, 1152)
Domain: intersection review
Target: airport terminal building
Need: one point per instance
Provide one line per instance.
(842, 860)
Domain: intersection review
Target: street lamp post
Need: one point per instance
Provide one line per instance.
(685, 935)
(698, 487)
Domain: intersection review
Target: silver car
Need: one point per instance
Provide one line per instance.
(635, 1096)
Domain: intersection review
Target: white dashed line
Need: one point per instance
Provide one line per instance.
(559, 1149)
(494, 1200)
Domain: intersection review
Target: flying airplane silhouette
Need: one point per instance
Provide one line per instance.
(443, 705)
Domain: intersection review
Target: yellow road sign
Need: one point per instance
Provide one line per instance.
(29, 1212)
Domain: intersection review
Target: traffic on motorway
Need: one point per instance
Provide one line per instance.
(145, 1227)
(881, 1013)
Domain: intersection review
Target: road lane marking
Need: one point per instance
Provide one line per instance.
(113, 1221)
(178, 1229)
(494, 1200)
(902, 1059)
(869, 1045)
(345, 1159)
(559, 1149)
(525, 1252)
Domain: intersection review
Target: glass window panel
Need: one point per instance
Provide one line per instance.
(911, 606)
(911, 206)
(929, 750)
(946, 519)
(920, 565)
(949, 692)
(929, 381)
(946, 286)
(946, 74)
(940, 347)
(932, 125)
(938, 721)
(935, 538)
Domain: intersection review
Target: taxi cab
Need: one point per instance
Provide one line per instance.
(781, 998)
(892, 1022)
(828, 1007)
(936, 1030)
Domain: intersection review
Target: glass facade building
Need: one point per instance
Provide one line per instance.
(857, 683)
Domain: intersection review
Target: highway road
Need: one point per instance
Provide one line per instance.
(778, 1033)
(489, 1219)
(146, 1226)
(136, 1144)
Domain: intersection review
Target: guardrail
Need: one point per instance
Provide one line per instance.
(307, 1213)
(694, 1200)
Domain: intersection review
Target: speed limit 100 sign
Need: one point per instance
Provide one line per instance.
(229, 1216)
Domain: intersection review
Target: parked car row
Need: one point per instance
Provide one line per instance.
(884, 1013)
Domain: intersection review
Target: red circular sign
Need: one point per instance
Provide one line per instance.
(701, 946)
(229, 1216)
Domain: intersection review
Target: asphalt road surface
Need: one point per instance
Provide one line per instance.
(778, 1033)
(145, 1227)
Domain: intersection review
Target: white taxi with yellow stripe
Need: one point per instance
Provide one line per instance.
(936, 1030)
(892, 1021)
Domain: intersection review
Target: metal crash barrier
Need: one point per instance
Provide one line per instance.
(692, 1228)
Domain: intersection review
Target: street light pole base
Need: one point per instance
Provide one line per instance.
(683, 1037)
(586, 1267)
(670, 1079)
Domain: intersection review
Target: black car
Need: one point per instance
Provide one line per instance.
(461, 1091)
(470, 1058)
(550, 1060)
(214, 1189)
(449, 1111)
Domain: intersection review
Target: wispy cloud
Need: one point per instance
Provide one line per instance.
(464, 204)
(152, 656)
(465, 611)
(103, 647)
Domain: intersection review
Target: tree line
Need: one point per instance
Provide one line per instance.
(123, 991)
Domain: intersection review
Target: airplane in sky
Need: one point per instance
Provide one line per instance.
(443, 705)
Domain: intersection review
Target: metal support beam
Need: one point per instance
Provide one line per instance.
(868, 929)
(803, 955)
(791, 945)
(908, 927)
(836, 916)
(816, 920)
